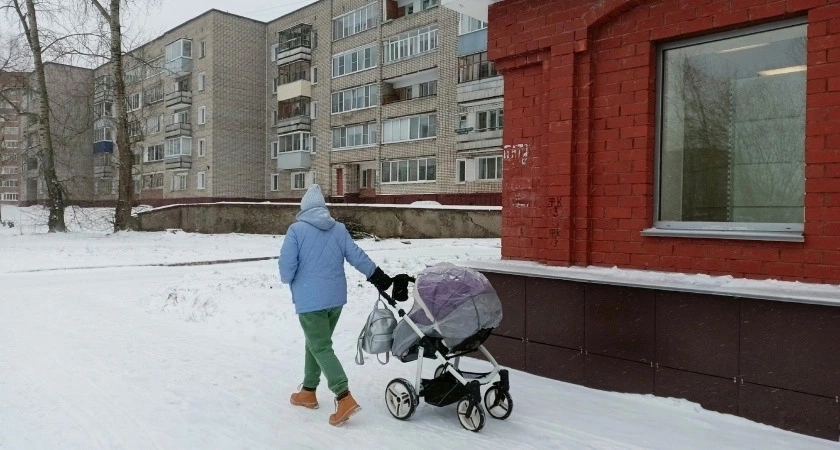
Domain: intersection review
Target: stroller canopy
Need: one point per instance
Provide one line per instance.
(452, 303)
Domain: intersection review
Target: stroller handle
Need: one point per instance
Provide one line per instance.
(399, 289)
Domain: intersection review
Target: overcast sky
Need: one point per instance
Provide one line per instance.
(171, 13)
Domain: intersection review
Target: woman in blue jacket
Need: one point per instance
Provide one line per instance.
(312, 264)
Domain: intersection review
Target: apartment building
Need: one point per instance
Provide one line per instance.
(11, 94)
(70, 94)
(195, 103)
(386, 101)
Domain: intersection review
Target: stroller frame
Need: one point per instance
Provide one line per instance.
(442, 390)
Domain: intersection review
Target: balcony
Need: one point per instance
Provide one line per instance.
(103, 95)
(178, 129)
(410, 86)
(472, 8)
(295, 44)
(468, 140)
(178, 99)
(103, 147)
(472, 43)
(294, 124)
(178, 162)
(299, 88)
(481, 89)
(294, 160)
(178, 67)
(103, 171)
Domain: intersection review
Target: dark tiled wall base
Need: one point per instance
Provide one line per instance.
(772, 362)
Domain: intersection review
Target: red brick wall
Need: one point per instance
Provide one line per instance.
(579, 134)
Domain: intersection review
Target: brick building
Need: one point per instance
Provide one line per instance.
(674, 136)
(11, 94)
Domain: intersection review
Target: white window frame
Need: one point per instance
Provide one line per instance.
(401, 129)
(153, 153)
(410, 44)
(134, 101)
(366, 132)
(202, 49)
(177, 49)
(467, 24)
(493, 119)
(298, 141)
(180, 181)
(11, 130)
(294, 177)
(313, 75)
(460, 164)
(396, 164)
(202, 80)
(355, 98)
(358, 20)
(497, 168)
(274, 182)
(202, 150)
(202, 115)
(275, 149)
(10, 196)
(313, 110)
(201, 181)
(342, 63)
(183, 147)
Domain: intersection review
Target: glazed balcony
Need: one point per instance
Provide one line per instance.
(294, 160)
(294, 44)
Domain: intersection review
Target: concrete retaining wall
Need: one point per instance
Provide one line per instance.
(382, 221)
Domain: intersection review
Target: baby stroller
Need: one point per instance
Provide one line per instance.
(455, 310)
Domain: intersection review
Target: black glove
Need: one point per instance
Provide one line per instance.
(380, 280)
(400, 292)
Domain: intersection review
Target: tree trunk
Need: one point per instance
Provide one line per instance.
(54, 188)
(125, 190)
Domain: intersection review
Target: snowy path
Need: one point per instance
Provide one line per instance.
(206, 356)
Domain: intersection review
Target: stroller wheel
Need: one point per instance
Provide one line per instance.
(471, 415)
(499, 403)
(401, 399)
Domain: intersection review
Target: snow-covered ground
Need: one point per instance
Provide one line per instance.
(102, 347)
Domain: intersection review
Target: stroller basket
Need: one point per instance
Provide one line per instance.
(430, 345)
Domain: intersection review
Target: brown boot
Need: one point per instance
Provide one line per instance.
(345, 406)
(305, 398)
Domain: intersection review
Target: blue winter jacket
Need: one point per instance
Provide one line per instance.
(312, 257)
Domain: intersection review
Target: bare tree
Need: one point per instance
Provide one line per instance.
(29, 23)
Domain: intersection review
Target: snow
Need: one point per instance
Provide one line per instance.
(127, 354)
(423, 204)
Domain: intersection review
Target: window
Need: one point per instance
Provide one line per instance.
(181, 48)
(427, 4)
(200, 181)
(489, 120)
(272, 52)
(355, 60)
(202, 47)
(354, 135)
(355, 98)
(313, 147)
(202, 150)
(409, 128)
(179, 182)
(135, 128)
(103, 109)
(356, 21)
(103, 134)
(135, 74)
(202, 115)
(10, 196)
(460, 170)
(202, 78)
(294, 107)
(11, 183)
(366, 178)
(153, 153)
(133, 102)
(11, 130)
(153, 124)
(178, 146)
(289, 73)
(411, 43)
(409, 170)
(489, 168)
(293, 142)
(313, 110)
(467, 24)
(731, 153)
(153, 181)
(274, 87)
(154, 94)
(9, 170)
(314, 76)
(298, 180)
(275, 149)
(275, 182)
(428, 88)
(155, 67)
(475, 67)
(294, 37)
(8, 144)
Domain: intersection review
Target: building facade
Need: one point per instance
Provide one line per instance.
(385, 101)
(11, 95)
(692, 148)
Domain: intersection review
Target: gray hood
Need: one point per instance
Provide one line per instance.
(314, 209)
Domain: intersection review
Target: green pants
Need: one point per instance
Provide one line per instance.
(318, 327)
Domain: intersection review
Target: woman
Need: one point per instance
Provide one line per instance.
(312, 264)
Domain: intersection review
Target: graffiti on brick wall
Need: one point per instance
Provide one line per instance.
(517, 152)
(521, 199)
(554, 236)
(554, 206)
